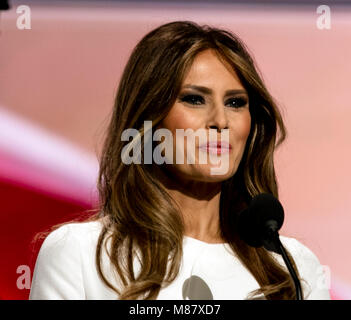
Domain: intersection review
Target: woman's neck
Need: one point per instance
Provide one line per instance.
(199, 204)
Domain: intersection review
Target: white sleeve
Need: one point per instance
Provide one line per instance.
(317, 280)
(58, 272)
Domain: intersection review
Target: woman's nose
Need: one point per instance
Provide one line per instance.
(217, 118)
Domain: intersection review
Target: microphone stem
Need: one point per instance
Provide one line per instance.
(290, 268)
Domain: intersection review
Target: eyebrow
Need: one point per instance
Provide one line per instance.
(206, 90)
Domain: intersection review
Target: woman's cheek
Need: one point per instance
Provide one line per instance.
(243, 126)
(181, 118)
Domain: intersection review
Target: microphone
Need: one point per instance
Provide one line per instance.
(258, 226)
(4, 5)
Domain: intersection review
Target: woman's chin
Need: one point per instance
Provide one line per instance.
(212, 174)
(202, 172)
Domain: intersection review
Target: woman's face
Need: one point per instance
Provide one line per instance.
(212, 98)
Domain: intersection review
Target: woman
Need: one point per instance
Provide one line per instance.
(165, 231)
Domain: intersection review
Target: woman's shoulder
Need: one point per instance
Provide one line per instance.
(314, 274)
(76, 228)
(297, 246)
(65, 250)
(300, 251)
(71, 236)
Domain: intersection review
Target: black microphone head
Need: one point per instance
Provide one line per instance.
(253, 220)
(4, 5)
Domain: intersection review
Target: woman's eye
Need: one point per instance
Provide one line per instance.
(193, 99)
(237, 102)
(198, 100)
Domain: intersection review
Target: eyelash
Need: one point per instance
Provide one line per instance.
(189, 97)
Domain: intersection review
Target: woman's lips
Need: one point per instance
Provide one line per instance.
(216, 147)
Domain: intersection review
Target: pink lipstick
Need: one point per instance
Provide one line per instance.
(216, 147)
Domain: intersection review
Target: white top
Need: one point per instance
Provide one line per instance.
(65, 269)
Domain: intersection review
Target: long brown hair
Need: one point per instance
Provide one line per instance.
(141, 215)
